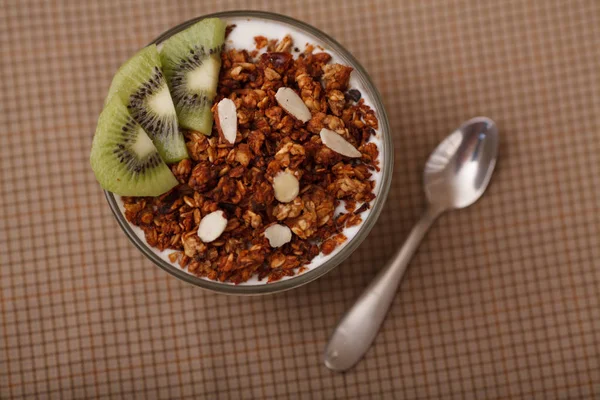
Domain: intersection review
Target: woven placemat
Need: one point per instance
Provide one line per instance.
(501, 300)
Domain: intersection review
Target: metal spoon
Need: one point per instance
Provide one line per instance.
(456, 175)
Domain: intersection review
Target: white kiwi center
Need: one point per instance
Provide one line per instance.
(204, 77)
(143, 144)
(161, 102)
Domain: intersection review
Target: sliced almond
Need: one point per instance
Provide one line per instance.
(292, 103)
(278, 235)
(227, 114)
(285, 186)
(212, 226)
(338, 144)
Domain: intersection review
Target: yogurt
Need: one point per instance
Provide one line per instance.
(242, 37)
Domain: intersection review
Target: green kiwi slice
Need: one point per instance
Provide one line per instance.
(124, 159)
(191, 61)
(141, 85)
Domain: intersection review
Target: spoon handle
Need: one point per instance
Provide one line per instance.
(358, 327)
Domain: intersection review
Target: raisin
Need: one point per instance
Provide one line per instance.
(353, 95)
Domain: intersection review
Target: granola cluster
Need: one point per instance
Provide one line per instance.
(238, 178)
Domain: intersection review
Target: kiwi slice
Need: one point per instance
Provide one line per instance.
(124, 159)
(191, 61)
(142, 87)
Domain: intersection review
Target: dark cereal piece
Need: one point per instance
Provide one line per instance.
(279, 62)
(362, 208)
(203, 176)
(353, 95)
(228, 29)
(238, 178)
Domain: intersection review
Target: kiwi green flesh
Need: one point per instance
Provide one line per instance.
(191, 62)
(141, 85)
(134, 73)
(124, 159)
(193, 88)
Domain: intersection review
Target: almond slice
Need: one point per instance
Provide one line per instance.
(212, 226)
(292, 103)
(278, 235)
(227, 114)
(285, 186)
(338, 144)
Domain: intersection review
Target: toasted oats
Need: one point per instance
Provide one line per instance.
(261, 42)
(237, 178)
(173, 257)
(285, 44)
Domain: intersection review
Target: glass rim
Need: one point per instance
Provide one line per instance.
(349, 247)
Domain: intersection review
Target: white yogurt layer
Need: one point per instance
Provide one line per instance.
(242, 37)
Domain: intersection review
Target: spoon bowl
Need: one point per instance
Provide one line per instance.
(456, 175)
(459, 169)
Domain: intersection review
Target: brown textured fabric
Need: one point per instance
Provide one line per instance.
(501, 301)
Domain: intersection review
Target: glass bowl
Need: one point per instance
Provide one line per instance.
(386, 152)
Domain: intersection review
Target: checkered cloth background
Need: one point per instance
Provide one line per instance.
(501, 300)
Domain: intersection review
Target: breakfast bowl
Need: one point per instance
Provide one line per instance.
(250, 25)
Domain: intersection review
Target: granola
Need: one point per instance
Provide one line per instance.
(237, 178)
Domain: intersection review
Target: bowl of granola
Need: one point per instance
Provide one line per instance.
(287, 181)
